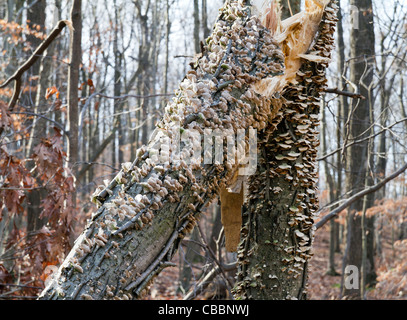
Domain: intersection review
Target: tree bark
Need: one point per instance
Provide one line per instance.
(167, 46)
(343, 111)
(75, 60)
(118, 79)
(204, 23)
(36, 17)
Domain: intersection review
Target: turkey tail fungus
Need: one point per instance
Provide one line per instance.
(247, 78)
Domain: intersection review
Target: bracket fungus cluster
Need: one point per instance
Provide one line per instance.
(148, 208)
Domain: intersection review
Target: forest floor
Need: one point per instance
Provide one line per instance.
(391, 269)
(321, 285)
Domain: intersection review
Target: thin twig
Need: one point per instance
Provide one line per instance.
(228, 50)
(202, 284)
(60, 126)
(19, 297)
(29, 189)
(218, 263)
(19, 286)
(135, 96)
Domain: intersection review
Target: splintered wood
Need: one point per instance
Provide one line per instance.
(231, 208)
(295, 36)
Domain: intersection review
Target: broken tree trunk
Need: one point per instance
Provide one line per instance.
(279, 213)
(232, 91)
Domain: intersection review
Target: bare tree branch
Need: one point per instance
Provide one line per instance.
(16, 77)
(56, 123)
(36, 55)
(345, 93)
(135, 96)
(361, 140)
(359, 195)
(99, 151)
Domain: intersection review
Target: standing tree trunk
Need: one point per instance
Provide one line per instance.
(343, 108)
(403, 226)
(361, 74)
(36, 15)
(331, 193)
(277, 233)
(204, 22)
(167, 46)
(144, 71)
(75, 58)
(36, 21)
(196, 27)
(118, 143)
(155, 201)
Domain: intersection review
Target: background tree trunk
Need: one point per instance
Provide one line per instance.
(42, 69)
(197, 28)
(75, 58)
(331, 195)
(343, 111)
(359, 164)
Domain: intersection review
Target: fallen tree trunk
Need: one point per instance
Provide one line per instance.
(232, 91)
(150, 206)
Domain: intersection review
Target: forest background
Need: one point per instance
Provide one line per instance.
(133, 56)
